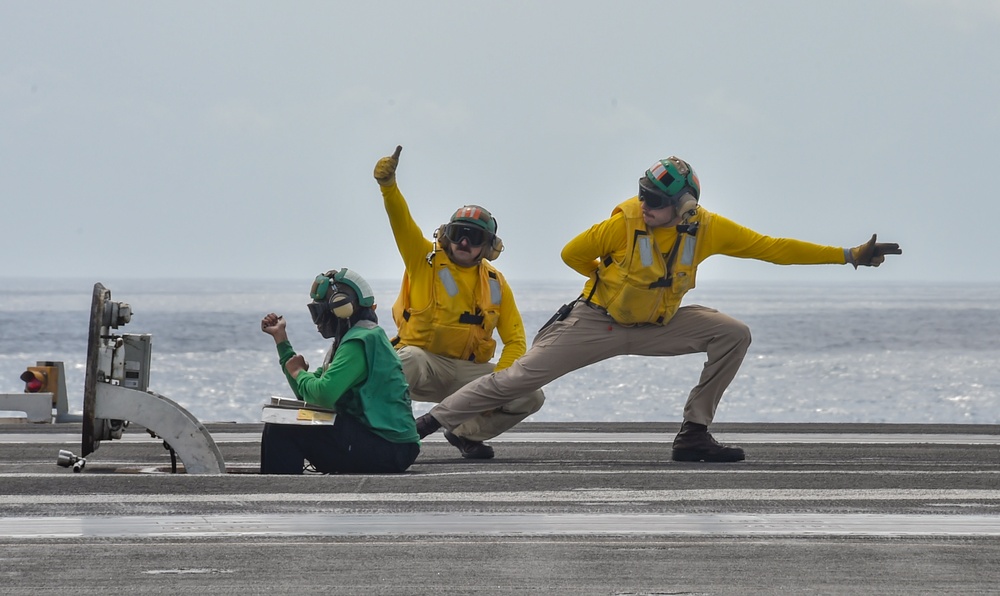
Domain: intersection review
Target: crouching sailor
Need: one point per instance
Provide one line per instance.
(640, 263)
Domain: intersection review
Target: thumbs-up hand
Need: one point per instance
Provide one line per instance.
(385, 169)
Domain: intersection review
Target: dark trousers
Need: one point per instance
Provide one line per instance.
(344, 447)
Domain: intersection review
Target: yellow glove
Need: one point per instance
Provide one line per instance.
(872, 254)
(385, 169)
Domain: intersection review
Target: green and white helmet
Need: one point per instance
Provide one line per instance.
(342, 293)
(673, 176)
(366, 298)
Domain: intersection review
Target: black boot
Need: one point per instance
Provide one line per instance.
(427, 425)
(470, 449)
(695, 443)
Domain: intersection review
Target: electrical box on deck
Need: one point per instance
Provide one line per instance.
(138, 352)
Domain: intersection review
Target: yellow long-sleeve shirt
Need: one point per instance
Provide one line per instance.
(717, 235)
(414, 248)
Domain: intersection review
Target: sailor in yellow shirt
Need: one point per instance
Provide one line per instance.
(639, 263)
(451, 301)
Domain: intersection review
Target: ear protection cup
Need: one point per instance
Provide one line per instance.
(493, 251)
(344, 301)
(687, 206)
(342, 305)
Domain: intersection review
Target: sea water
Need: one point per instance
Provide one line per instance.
(821, 352)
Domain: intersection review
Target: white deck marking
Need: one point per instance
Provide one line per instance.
(599, 495)
(523, 525)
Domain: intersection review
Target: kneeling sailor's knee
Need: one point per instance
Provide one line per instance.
(739, 332)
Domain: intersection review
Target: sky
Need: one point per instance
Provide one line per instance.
(236, 140)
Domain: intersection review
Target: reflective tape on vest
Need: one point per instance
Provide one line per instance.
(449, 282)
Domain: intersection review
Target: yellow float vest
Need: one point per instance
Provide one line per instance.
(641, 288)
(445, 327)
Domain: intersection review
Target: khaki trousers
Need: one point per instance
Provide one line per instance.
(589, 335)
(432, 378)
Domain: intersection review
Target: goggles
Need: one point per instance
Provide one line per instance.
(319, 311)
(474, 235)
(322, 287)
(657, 200)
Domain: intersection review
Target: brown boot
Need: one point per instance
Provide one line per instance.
(427, 425)
(695, 443)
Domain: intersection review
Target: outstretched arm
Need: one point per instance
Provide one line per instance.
(727, 237)
(410, 241)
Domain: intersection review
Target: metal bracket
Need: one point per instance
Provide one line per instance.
(168, 420)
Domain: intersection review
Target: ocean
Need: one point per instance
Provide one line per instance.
(822, 352)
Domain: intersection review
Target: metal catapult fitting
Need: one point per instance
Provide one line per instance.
(115, 391)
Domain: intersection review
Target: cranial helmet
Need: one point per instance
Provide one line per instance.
(342, 293)
(477, 226)
(672, 175)
(476, 215)
(671, 181)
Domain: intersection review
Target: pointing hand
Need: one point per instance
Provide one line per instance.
(872, 254)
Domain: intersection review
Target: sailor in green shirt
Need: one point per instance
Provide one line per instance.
(361, 378)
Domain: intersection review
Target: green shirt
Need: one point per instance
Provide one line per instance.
(365, 380)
